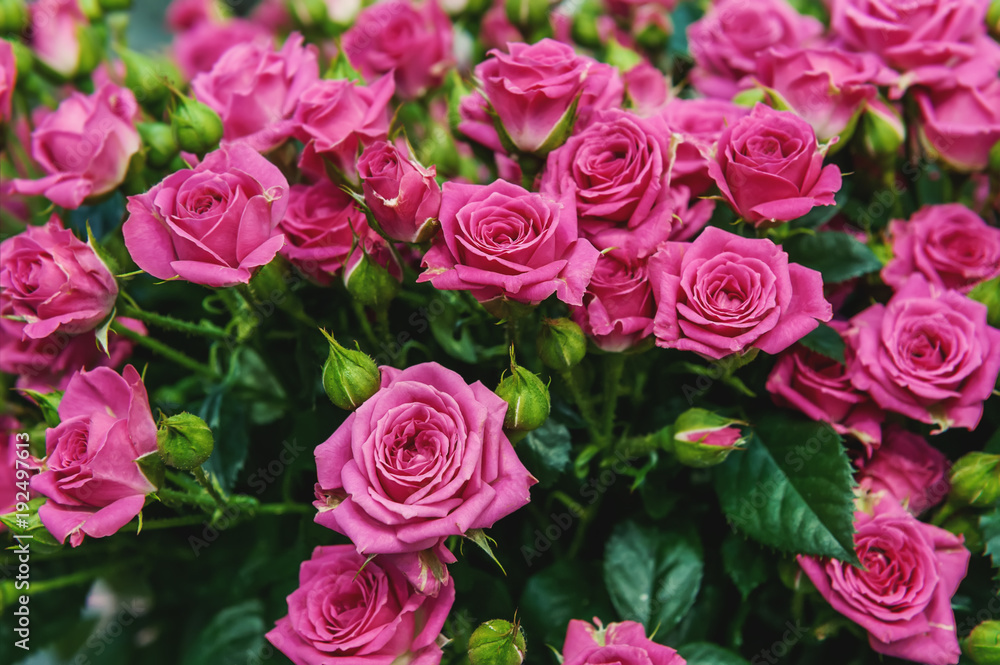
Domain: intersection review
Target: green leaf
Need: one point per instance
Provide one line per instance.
(249, 370)
(825, 341)
(47, 402)
(233, 637)
(705, 653)
(684, 15)
(555, 595)
(744, 563)
(837, 256)
(227, 416)
(653, 574)
(791, 489)
(989, 526)
(545, 452)
(479, 537)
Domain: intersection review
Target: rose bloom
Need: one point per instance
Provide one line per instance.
(960, 125)
(928, 354)
(199, 48)
(726, 42)
(350, 609)
(618, 309)
(84, 147)
(54, 281)
(255, 89)
(90, 477)
(211, 225)
(415, 43)
(403, 196)
(335, 118)
(951, 246)
(183, 15)
(902, 595)
(55, 36)
(423, 459)
(9, 429)
(319, 227)
(827, 87)
(647, 89)
(769, 168)
(496, 30)
(501, 241)
(624, 643)
(724, 294)
(697, 125)
(8, 79)
(908, 469)
(821, 388)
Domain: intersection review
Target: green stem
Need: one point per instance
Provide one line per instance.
(614, 367)
(382, 324)
(171, 522)
(206, 482)
(203, 329)
(173, 496)
(366, 326)
(284, 509)
(73, 579)
(582, 403)
(164, 350)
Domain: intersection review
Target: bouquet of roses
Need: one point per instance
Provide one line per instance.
(645, 332)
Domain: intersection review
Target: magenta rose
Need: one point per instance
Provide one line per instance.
(476, 123)
(55, 282)
(908, 469)
(423, 459)
(255, 89)
(647, 89)
(183, 15)
(724, 294)
(960, 125)
(501, 241)
(496, 30)
(618, 308)
(84, 147)
(902, 593)
(928, 354)
(534, 90)
(90, 475)
(335, 118)
(200, 47)
(769, 168)
(697, 125)
(412, 42)
(821, 388)
(8, 79)
(622, 643)
(319, 227)
(213, 224)
(727, 41)
(9, 431)
(361, 612)
(951, 246)
(827, 87)
(57, 39)
(403, 196)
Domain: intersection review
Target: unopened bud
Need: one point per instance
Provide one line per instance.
(975, 480)
(369, 283)
(149, 79)
(115, 5)
(561, 344)
(993, 18)
(185, 441)
(966, 524)
(883, 129)
(527, 398)
(497, 642)
(995, 158)
(527, 13)
(13, 16)
(349, 376)
(703, 438)
(197, 128)
(161, 147)
(982, 645)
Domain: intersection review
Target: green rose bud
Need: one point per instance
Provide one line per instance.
(13, 16)
(983, 644)
(196, 127)
(995, 158)
(527, 13)
(703, 438)
(883, 129)
(975, 480)
(116, 5)
(91, 9)
(349, 376)
(161, 147)
(561, 344)
(149, 79)
(993, 18)
(527, 398)
(23, 59)
(966, 524)
(497, 642)
(370, 283)
(185, 441)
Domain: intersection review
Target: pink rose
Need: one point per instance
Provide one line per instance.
(647, 89)
(821, 388)
(532, 90)
(90, 475)
(319, 226)
(213, 224)
(403, 196)
(724, 294)
(951, 246)
(908, 469)
(55, 36)
(902, 594)
(727, 41)
(423, 459)
(769, 168)
(335, 118)
(199, 48)
(500, 240)
(618, 309)
(623, 643)
(698, 124)
(54, 281)
(186, 14)
(960, 125)
(9, 430)
(476, 124)
(8, 79)
(928, 354)
(84, 147)
(415, 43)
(255, 90)
(361, 612)
(496, 30)
(826, 87)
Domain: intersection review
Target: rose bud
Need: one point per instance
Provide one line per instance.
(966, 525)
(882, 129)
(982, 644)
(115, 5)
(13, 16)
(527, 398)
(349, 377)
(993, 18)
(561, 344)
(197, 128)
(403, 196)
(975, 480)
(527, 13)
(368, 281)
(703, 438)
(150, 79)
(184, 441)
(497, 642)
(62, 39)
(161, 146)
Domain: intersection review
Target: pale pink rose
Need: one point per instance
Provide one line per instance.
(55, 39)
